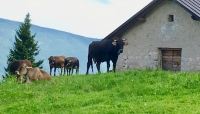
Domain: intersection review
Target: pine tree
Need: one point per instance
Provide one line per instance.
(25, 47)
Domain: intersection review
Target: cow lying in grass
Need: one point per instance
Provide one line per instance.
(13, 66)
(32, 74)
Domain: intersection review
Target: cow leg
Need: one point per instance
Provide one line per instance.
(92, 67)
(108, 66)
(18, 78)
(27, 79)
(54, 71)
(98, 67)
(72, 71)
(88, 66)
(89, 63)
(64, 71)
(50, 70)
(61, 69)
(77, 70)
(67, 71)
(114, 61)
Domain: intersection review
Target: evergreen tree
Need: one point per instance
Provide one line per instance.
(25, 47)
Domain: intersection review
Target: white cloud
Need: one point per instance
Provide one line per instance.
(92, 18)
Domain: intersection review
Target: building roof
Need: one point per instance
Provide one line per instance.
(192, 6)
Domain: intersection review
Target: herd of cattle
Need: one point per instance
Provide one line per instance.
(105, 50)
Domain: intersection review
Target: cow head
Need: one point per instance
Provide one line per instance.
(67, 62)
(51, 60)
(22, 70)
(119, 44)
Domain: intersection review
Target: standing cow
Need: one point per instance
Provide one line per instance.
(13, 66)
(71, 63)
(57, 62)
(105, 50)
(32, 74)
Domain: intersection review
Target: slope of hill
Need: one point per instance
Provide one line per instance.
(129, 92)
(51, 42)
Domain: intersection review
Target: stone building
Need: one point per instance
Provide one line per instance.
(163, 35)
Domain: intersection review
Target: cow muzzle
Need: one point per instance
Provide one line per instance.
(17, 72)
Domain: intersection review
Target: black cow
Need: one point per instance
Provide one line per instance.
(71, 63)
(104, 51)
(13, 66)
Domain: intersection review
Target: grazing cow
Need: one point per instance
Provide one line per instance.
(57, 62)
(105, 50)
(72, 63)
(13, 66)
(32, 74)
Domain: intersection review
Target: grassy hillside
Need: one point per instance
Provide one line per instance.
(139, 91)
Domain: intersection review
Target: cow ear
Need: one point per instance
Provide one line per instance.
(125, 43)
(114, 43)
(49, 57)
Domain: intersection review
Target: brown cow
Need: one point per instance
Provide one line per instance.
(13, 66)
(32, 74)
(72, 63)
(57, 62)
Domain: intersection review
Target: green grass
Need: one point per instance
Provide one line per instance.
(138, 91)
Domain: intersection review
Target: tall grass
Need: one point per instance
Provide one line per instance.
(138, 91)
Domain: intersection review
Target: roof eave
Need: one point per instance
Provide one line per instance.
(134, 19)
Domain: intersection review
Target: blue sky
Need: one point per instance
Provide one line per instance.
(91, 18)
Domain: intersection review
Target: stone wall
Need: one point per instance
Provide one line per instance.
(146, 38)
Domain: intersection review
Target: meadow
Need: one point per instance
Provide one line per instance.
(129, 92)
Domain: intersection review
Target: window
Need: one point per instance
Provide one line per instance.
(171, 18)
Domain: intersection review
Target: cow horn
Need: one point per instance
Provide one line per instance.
(50, 57)
(124, 39)
(29, 67)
